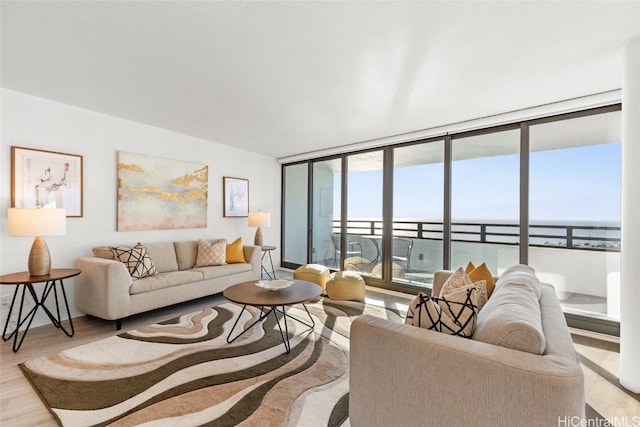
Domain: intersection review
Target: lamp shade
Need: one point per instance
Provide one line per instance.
(259, 219)
(32, 222)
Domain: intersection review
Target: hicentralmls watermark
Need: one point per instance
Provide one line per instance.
(624, 421)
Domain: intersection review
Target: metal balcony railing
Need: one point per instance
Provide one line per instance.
(583, 237)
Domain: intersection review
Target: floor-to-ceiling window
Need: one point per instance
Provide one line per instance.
(485, 200)
(295, 213)
(327, 183)
(574, 199)
(545, 192)
(418, 212)
(364, 213)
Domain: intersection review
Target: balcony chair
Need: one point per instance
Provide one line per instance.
(354, 249)
(402, 252)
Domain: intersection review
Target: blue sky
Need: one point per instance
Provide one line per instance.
(570, 184)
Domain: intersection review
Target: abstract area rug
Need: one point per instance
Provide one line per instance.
(183, 371)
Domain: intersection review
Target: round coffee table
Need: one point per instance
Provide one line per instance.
(248, 293)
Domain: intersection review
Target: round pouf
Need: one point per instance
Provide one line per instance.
(315, 273)
(396, 270)
(356, 263)
(346, 285)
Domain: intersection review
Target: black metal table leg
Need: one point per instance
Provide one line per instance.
(38, 302)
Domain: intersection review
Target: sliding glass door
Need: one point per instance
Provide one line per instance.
(485, 200)
(574, 232)
(418, 212)
(295, 213)
(327, 187)
(364, 213)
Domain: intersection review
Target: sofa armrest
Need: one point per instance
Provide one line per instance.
(102, 289)
(253, 255)
(405, 375)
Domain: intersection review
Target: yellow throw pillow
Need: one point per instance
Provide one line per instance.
(470, 267)
(235, 252)
(482, 272)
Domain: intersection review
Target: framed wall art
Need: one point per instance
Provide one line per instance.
(47, 179)
(155, 193)
(236, 197)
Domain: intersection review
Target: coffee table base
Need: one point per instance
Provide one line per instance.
(263, 315)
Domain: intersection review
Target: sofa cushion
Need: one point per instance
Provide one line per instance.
(164, 280)
(235, 252)
(453, 314)
(459, 280)
(163, 256)
(186, 254)
(211, 253)
(512, 318)
(222, 270)
(136, 259)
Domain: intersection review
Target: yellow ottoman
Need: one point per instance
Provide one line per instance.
(315, 273)
(346, 285)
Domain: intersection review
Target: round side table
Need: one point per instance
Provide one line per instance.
(25, 282)
(266, 250)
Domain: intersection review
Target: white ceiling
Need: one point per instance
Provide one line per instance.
(283, 78)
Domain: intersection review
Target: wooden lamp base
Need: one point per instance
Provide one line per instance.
(39, 258)
(258, 239)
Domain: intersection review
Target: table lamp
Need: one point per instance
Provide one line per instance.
(259, 219)
(36, 222)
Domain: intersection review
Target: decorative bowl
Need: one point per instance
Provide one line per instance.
(274, 285)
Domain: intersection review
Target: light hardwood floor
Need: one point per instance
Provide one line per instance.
(21, 406)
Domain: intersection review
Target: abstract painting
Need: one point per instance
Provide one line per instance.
(236, 197)
(46, 179)
(155, 193)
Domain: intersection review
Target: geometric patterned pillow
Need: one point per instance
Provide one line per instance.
(459, 279)
(455, 314)
(211, 253)
(136, 259)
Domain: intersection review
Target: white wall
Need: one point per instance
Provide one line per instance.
(33, 122)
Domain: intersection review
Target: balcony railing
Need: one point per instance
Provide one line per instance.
(583, 237)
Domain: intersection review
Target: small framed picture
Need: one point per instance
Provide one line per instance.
(236, 197)
(46, 179)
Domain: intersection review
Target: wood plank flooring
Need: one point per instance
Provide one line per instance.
(21, 406)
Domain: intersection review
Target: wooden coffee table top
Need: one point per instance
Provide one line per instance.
(248, 293)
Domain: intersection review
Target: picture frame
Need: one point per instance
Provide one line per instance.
(236, 197)
(156, 193)
(47, 179)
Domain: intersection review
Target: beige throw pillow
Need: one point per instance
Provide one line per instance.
(211, 253)
(459, 279)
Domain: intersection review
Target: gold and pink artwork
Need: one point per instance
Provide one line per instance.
(155, 193)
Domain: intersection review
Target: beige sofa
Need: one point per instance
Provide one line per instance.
(405, 375)
(106, 290)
